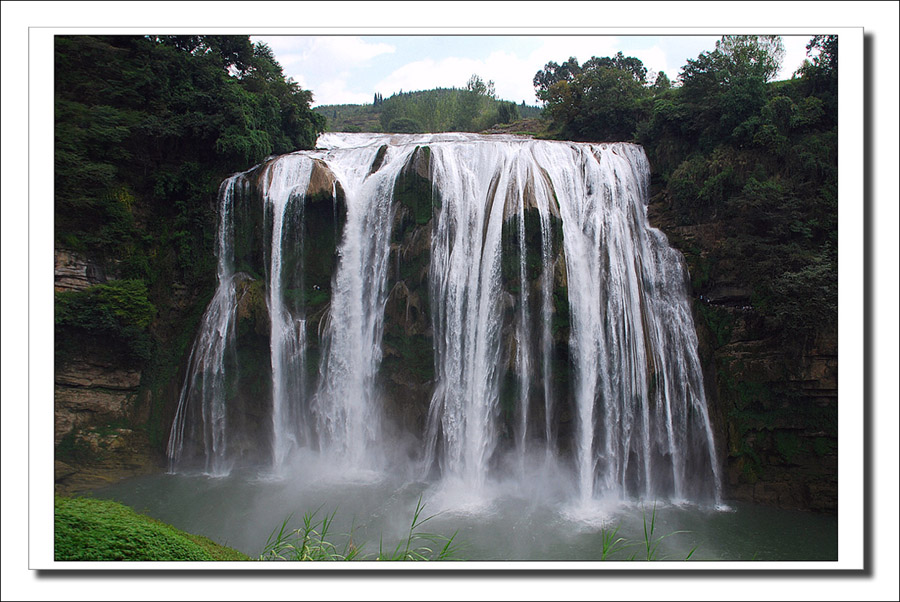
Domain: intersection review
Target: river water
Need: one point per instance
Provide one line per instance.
(522, 519)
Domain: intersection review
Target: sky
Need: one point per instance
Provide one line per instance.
(350, 69)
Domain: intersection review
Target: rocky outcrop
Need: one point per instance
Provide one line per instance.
(74, 272)
(781, 423)
(407, 368)
(89, 391)
(98, 456)
(100, 410)
(774, 406)
(97, 405)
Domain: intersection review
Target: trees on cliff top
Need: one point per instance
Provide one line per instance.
(729, 145)
(143, 121)
(599, 100)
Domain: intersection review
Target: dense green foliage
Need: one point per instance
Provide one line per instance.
(351, 118)
(603, 99)
(472, 109)
(118, 311)
(727, 145)
(147, 127)
(89, 529)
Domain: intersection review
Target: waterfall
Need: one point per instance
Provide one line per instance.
(284, 185)
(204, 389)
(345, 403)
(558, 322)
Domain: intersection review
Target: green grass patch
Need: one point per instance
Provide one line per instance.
(91, 529)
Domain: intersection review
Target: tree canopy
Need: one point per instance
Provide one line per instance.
(161, 120)
(472, 109)
(599, 100)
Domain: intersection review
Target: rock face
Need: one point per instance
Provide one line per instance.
(775, 408)
(96, 405)
(782, 427)
(73, 272)
(91, 388)
(407, 367)
(102, 413)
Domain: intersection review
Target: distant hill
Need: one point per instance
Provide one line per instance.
(350, 118)
(438, 110)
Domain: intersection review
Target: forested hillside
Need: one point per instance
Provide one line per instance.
(729, 145)
(473, 109)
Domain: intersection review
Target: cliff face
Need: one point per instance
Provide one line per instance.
(775, 404)
(99, 410)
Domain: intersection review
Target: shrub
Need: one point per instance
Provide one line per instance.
(119, 310)
(404, 125)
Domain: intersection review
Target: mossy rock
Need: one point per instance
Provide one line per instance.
(414, 354)
(102, 530)
(413, 188)
(249, 220)
(252, 310)
(379, 159)
(534, 261)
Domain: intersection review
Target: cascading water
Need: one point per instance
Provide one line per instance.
(201, 407)
(284, 185)
(639, 392)
(347, 420)
(558, 323)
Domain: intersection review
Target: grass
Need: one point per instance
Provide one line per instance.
(611, 543)
(102, 530)
(651, 545)
(614, 545)
(311, 542)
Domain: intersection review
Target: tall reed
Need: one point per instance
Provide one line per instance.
(313, 541)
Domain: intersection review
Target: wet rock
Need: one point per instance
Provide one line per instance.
(774, 408)
(100, 456)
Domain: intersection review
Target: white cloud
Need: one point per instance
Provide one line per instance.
(324, 64)
(512, 72)
(340, 50)
(336, 91)
(427, 74)
(794, 55)
(559, 48)
(337, 51)
(511, 75)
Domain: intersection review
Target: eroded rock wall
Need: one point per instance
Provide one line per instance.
(774, 402)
